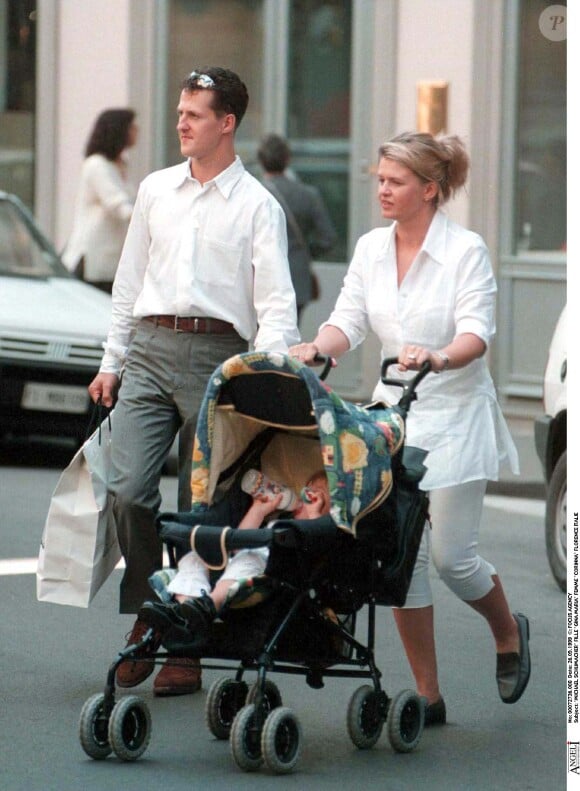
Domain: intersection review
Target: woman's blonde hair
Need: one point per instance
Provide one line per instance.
(443, 160)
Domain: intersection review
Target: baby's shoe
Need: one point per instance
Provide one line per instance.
(163, 617)
(159, 582)
(199, 612)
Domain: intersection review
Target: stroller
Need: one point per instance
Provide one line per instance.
(268, 411)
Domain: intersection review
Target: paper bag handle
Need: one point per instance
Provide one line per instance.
(98, 414)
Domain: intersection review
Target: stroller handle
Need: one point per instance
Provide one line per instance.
(209, 540)
(408, 386)
(328, 362)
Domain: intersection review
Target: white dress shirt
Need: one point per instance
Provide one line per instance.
(102, 213)
(217, 250)
(449, 290)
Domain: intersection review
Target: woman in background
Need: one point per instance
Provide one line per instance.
(104, 201)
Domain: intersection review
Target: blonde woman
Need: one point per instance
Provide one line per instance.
(425, 286)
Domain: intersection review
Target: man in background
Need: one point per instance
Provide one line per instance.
(309, 227)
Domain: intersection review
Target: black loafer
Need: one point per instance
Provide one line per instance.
(435, 713)
(513, 669)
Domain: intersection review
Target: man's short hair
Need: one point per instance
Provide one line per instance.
(230, 94)
(274, 154)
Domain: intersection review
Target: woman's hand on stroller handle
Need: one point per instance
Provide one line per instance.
(327, 362)
(408, 386)
(309, 354)
(423, 369)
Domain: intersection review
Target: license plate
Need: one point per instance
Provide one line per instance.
(55, 398)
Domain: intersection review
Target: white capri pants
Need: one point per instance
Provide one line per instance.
(452, 542)
(192, 576)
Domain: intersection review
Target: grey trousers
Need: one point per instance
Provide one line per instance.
(162, 388)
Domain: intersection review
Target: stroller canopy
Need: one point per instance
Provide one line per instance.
(314, 429)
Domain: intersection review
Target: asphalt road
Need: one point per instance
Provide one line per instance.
(53, 658)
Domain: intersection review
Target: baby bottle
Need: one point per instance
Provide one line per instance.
(255, 482)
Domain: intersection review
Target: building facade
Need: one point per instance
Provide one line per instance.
(337, 77)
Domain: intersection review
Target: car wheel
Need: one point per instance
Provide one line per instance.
(556, 510)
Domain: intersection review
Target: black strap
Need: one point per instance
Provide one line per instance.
(98, 413)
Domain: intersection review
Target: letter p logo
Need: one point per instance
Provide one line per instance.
(552, 22)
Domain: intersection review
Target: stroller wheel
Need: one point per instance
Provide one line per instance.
(281, 737)
(94, 728)
(405, 721)
(225, 698)
(366, 716)
(272, 698)
(245, 739)
(130, 728)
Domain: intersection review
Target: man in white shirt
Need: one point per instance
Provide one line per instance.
(203, 274)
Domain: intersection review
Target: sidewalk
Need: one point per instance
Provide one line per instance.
(530, 482)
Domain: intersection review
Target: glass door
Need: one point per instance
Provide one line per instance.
(532, 269)
(17, 97)
(318, 103)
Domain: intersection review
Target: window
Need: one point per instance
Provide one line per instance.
(319, 70)
(318, 113)
(17, 97)
(541, 136)
(21, 251)
(225, 33)
(311, 70)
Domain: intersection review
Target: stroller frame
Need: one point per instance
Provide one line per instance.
(260, 729)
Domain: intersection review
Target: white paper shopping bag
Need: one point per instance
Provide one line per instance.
(79, 547)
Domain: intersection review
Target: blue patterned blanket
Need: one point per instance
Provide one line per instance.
(356, 443)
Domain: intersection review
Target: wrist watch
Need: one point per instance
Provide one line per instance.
(445, 359)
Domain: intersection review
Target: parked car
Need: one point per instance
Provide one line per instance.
(551, 446)
(52, 327)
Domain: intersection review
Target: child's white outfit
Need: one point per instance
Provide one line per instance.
(193, 575)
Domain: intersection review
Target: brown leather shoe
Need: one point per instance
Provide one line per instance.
(133, 671)
(178, 676)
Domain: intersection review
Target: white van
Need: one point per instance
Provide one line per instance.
(551, 446)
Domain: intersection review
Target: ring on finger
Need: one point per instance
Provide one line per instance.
(412, 356)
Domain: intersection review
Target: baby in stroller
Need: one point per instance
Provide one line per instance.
(195, 607)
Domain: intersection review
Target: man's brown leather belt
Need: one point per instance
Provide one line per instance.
(195, 324)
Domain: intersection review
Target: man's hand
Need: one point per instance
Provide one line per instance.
(104, 386)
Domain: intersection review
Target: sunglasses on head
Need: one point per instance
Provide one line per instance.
(202, 80)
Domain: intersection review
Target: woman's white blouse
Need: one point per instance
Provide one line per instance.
(103, 209)
(449, 290)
